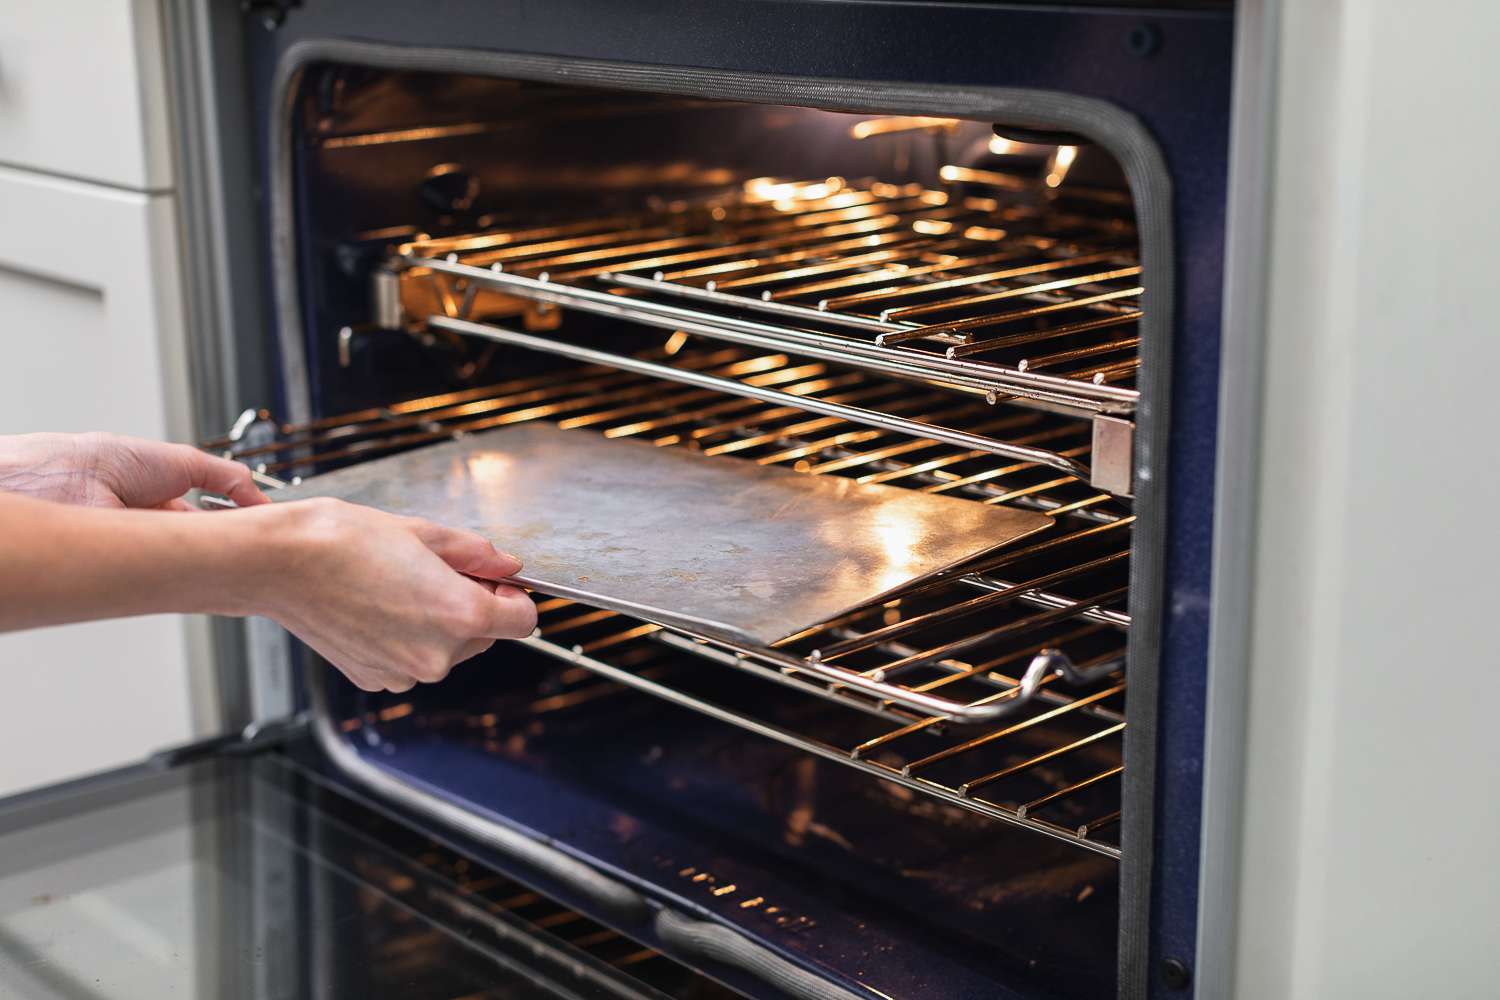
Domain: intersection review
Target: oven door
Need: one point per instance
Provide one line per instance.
(233, 874)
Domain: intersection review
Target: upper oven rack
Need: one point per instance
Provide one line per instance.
(925, 276)
(911, 283)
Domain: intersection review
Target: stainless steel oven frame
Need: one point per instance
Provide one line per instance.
(233, 363)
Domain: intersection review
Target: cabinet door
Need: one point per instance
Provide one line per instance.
(83, 92)
(91, 338)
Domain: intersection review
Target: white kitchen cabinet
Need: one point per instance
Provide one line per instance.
(83, 92)
(92, 327)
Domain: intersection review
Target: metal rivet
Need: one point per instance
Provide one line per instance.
(1176, 974)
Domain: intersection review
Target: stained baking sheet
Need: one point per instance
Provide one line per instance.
(720, 546)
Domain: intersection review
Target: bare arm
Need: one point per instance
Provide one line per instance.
(388, 600)
(64, 564)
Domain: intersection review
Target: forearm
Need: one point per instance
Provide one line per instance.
(66, 564)
(388, 600)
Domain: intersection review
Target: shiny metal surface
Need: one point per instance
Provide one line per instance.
(855, 414)
(722, 547)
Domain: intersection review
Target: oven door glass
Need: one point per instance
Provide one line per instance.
(245, 877)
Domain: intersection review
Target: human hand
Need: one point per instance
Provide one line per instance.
(390, 601)
(108, 470)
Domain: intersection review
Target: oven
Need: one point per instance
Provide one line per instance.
(968, 250)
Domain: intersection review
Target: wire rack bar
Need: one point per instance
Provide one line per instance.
(842, 411)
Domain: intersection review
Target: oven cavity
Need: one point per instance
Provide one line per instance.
(917, 301)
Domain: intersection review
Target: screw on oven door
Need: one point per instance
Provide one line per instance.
(1176, 974)
(1143, 40)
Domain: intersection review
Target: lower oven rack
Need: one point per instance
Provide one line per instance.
(1035, 785)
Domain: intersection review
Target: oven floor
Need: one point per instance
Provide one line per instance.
(863, 879)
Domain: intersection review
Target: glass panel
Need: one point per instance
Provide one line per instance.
(245, 878)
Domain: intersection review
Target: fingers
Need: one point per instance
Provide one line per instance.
(374, 681)
(465, 551)
(150, 474)
(509, 614)
(443, 590)
(471, 649)
(203, 471)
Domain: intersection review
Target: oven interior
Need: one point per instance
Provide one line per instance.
(915, 300)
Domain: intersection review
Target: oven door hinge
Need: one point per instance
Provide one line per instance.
(254, 738)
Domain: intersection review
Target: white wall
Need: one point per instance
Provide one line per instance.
(1373, 783)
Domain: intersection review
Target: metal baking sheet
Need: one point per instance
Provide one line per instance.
(718, 546)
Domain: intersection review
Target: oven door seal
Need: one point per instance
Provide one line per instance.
(1112, 127)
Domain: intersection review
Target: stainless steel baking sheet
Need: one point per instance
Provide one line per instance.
(719, 546)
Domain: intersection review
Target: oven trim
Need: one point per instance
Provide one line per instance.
(1236, 489)
(1112, 127)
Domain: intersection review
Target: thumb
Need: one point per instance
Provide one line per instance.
(200, 470)
(466, 552)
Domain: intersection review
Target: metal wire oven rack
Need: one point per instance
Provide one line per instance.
(624, 403)
(1002, 299)
(991, 643)
(1054, 767)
